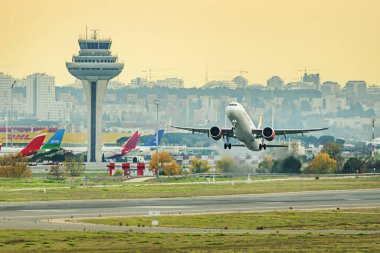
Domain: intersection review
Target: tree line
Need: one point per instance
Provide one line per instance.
(328, 161)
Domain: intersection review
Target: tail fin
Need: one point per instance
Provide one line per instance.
(1, 144)
(34, 145)
(43, 131)
(55, 141)
(131, 143)
(160, 134)
(260, 122)
(152, 141)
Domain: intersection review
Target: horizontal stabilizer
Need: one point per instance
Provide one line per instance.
(238, 145)
(276, 146)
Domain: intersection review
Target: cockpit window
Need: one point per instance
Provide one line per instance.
(232, 104)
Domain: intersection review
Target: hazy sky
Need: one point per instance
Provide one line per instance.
(338, 39)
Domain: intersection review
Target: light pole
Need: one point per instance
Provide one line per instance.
(158, 170)
(13, 84)
(6, 128)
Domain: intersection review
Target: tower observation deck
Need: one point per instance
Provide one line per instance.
(94, 66)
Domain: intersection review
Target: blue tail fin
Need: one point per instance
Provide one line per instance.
(55, 141)
(152, 141)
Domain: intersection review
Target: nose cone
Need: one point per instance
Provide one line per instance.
(230, 110)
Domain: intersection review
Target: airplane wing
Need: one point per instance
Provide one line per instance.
(227, 132)
(267, 145)
(259, 132)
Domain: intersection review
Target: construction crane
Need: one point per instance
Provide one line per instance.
(146, 74)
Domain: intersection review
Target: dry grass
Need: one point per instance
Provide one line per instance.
(343, 219)
(57, 241)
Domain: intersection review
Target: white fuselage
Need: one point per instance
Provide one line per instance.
(148, 150)
(10, 150)
(243, 125)
(107, 151)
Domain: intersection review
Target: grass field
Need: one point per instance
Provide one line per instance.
(57, 241)
(158, 190)
(38, 182)
(218, 179)
(350, 219)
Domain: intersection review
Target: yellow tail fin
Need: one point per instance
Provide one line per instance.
(260, 122)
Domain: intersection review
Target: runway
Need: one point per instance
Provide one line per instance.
(34, 215)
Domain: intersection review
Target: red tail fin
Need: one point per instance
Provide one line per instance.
(131, 143)
(34, 145)
(1, 144)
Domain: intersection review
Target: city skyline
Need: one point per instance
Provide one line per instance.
(179, 38)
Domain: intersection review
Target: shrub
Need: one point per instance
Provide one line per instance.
(13, 166)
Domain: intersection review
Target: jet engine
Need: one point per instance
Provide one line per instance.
(269, 134)
(216, 133)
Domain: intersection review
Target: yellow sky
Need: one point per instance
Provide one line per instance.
(340, 39)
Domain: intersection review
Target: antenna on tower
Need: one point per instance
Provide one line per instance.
(86, 32)
(94, 35)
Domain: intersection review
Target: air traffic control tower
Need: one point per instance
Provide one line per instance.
(94, 66)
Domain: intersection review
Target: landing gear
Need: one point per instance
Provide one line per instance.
(262, 146)
(234, 122)
(227, 145)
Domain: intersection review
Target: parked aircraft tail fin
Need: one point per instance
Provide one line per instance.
(34, 145)
(152, 141)
(55, 141)
(131, 143)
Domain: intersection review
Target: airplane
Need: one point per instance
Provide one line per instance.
(31, 149)
(148, 147)
(51, 146)
(110, 152)
(127, 147)
(245, 131)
